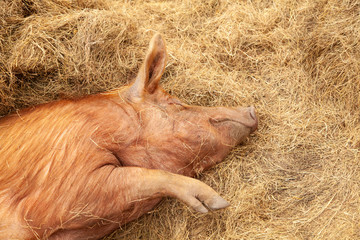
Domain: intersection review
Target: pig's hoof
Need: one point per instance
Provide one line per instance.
(202, 203)
(216, 203)
(199, 207)
(212, 203)
(199, 196)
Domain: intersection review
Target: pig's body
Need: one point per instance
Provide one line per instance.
(78, 169)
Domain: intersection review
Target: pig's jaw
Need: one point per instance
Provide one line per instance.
(231, 132)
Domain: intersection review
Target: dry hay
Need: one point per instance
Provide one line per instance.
(298, 62)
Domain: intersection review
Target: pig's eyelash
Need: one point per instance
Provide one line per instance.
(176, 103)
(180, 106)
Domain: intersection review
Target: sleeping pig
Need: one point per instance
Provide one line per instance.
(80, 168)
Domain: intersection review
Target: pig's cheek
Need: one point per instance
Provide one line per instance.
(224, 128)
(232, 133)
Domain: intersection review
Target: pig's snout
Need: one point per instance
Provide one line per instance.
(252, 113)
(245, 116)
(254, 118)
(248, 117)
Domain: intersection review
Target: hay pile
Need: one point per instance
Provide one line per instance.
(298, 62)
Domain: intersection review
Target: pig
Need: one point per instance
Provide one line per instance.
(80, 168)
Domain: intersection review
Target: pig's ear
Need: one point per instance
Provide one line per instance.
(152, 69)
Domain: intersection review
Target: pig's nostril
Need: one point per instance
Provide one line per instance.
(252, 113)
(253, 116)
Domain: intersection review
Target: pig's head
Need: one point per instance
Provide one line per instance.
(173, 135)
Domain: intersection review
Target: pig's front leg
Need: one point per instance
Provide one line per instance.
(140, 184)
(112, 196)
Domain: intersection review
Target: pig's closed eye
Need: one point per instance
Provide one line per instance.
(177, 103)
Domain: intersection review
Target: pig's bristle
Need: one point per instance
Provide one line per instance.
(297, 62)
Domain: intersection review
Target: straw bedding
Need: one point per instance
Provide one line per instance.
(297, 62)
